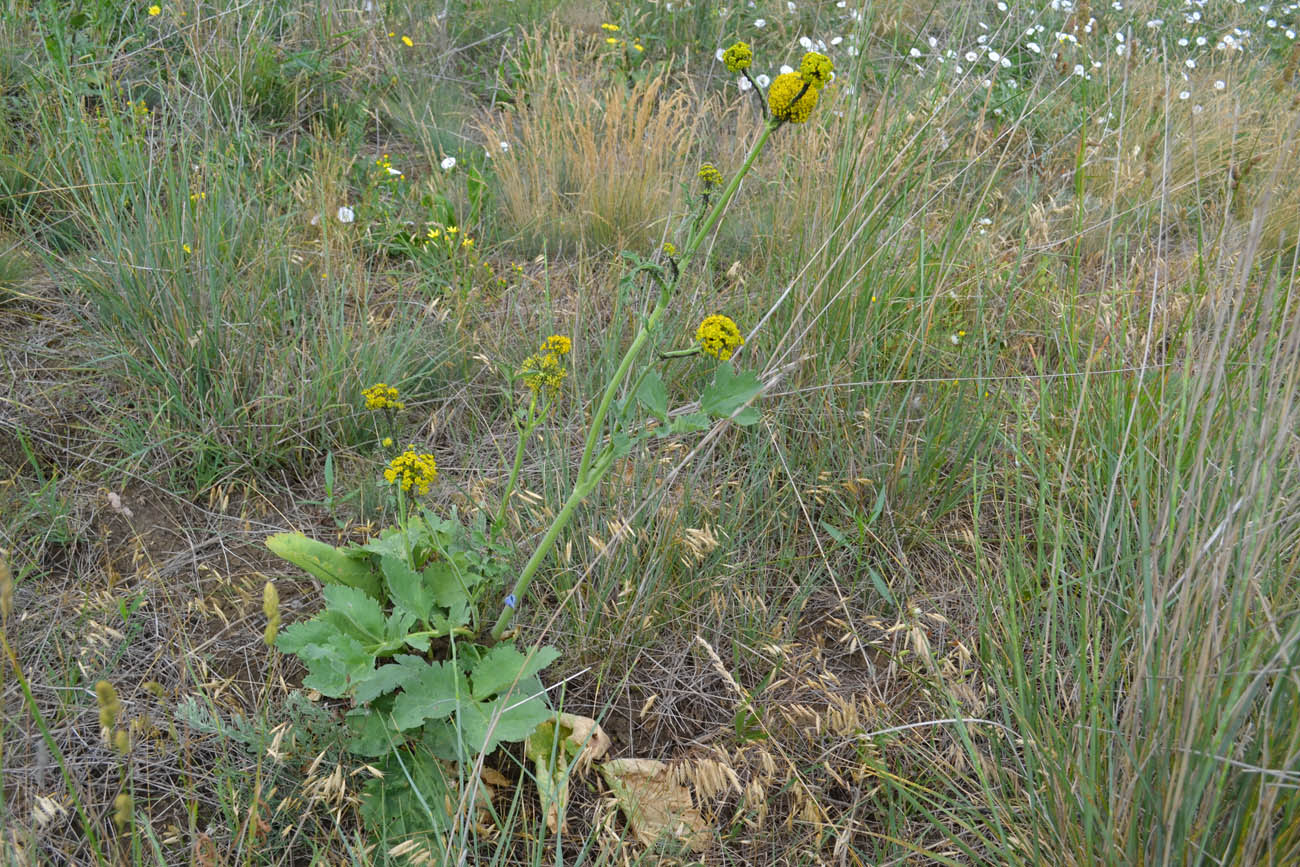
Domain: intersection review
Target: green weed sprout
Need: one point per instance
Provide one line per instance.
(403, 633)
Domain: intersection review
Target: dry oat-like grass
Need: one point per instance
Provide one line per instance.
(589, 165)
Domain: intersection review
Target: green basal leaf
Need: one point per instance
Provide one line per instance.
(334, 660)
(503, 665)
(433, 694)
(406, 587)
(448, 585)
(387, 678)
(329, 564)
(354, 612)
(408, 800)
(389, 544)
(369, 734)
(729, 391)
(696, 421)
(653, 395)
(520, 712)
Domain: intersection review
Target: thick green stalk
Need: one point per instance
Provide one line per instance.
(588, 473)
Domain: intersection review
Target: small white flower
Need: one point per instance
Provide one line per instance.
(994, 56)
(954, 339)
(1078, 69)
(851, 51)
(315, 219)
(1189, 63)
(790, 7)
(346, 214)
(786, 69)
(971, 57)
(1220, 84)
(1186, 94)
(837, 40)
(1197, 109)
(719, 55)
(743, 84)
(760, 23)
(1034, 47)
(805, 43)
(915, 52)
(505, 145)
(393, 171)
(763, 80)
(448, 164)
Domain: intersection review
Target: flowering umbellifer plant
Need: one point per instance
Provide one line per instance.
(404, 635)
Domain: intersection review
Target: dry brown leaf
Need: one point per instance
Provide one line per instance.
(655, 804)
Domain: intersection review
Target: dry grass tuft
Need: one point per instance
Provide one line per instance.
(590, 164)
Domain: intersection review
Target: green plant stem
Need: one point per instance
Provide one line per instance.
(524, 431)
(591, 469)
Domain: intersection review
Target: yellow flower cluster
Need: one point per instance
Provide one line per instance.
(710, 175)
(670, 249)
(816, 69)
(719, 336)
(381, 395)
(412, 470)
(738, 57)
(386, 170)
(556, 344)
(786, 101)
(447, 236)
(544, 373)
(793, 95)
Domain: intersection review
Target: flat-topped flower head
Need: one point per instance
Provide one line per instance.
(412, 469)
(738, 57)
(557, 344)
(670, 249)
(816, 69)
(381, 395)
(544, 374)
(710, 176)
(785, 100)
(719, 336)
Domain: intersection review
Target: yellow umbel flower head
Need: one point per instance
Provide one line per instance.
(816, 69)
(710, 176)
(738, 57)
(412, 470)
(785, 101)
(719, 336)
(381, 395)
(557, 344)
(544, 374)
(669, 249)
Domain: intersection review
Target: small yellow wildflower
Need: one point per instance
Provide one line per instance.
(610, 40)
(467, 242)
(816, 69)
(785, 101)
(195, 198)
(386, 442)
(612, 28)
(381, 395)
(638, 46)
(412, 470)
(451, 230)
(406, 40)
(670, 249)
(186, 248)
(710, 175)
(719, 336)
(434, 234)
(155, 10)
(544, 374)
(557, 344)
(738, 57)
